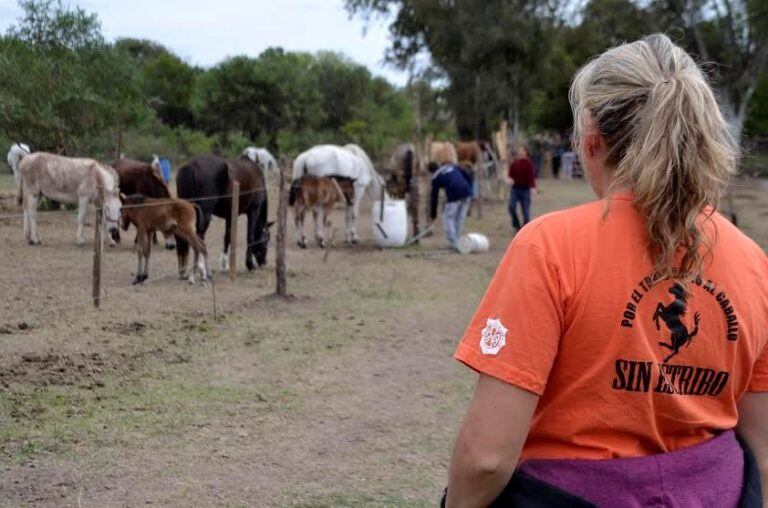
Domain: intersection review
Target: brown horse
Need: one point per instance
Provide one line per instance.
(469, 151)
(138, 177)
(170, 217)
(442, 152)
(319, 194)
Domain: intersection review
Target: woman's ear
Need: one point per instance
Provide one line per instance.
(593, 145)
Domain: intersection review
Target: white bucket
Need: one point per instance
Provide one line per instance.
(473, 242)
(391, 228)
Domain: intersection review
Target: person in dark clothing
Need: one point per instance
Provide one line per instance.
(457, 183)
(522, 178)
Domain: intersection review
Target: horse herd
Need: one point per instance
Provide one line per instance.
(132, 192)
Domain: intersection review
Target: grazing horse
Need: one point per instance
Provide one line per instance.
(207, 180)
(263, 158)
(443, 152)
(351, 162)
(469, 151)
(170, 217)
(68, 180)
(404, 164)
(138, 177)
(15, 154)
(318, 194)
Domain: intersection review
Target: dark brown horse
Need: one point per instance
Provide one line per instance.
(141, 178)
(208, 181)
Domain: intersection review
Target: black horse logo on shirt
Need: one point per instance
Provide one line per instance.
(671, 315)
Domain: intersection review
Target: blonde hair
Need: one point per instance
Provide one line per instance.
(666, 139)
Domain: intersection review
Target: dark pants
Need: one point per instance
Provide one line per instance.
(522, 196)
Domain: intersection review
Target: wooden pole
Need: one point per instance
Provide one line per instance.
(282, 219)
(98, 248)
(234, 213)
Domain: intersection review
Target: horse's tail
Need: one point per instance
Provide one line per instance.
(199, 219)
(294, 193)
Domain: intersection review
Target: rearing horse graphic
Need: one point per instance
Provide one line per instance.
(671, 315)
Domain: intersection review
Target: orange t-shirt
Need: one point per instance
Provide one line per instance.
(625, 366)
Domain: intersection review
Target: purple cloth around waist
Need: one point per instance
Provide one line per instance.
(708, 474)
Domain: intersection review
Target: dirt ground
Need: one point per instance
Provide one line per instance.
(345, 395)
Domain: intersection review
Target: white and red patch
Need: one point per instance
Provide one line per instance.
(493, 337)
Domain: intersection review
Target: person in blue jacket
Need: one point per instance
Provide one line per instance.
(457, 183)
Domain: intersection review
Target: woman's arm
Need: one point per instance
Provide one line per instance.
(753, 427)
(489, 443)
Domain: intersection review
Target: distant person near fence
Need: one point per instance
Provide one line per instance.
(522, 177)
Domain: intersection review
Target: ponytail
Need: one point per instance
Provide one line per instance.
(667, 141)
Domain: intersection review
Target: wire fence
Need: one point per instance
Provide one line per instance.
(158, 202)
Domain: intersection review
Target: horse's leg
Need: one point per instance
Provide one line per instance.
(182, 253)
(359, 192)
(348, 223)
(253, 221)
(31, 217)
(149, 235)
(299, 212)
(318, 229)
(224, 258)
(82, 209)
(327, 209)
(141, 234)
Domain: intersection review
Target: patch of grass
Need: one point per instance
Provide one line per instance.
(53, 419)
(353, 500)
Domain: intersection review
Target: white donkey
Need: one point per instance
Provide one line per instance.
(349, 161)
(67, 180)
(15, 154)
(264, 159)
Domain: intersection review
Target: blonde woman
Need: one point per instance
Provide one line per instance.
(621, 344)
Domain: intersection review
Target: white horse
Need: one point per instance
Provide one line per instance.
(349, 161)
(263, 158)
(15, 154)
(67, 180)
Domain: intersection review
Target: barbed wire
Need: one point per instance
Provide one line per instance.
(159, 202)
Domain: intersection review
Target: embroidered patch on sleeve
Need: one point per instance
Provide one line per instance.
(493, 337)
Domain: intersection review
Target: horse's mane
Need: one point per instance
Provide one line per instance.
(134, 199)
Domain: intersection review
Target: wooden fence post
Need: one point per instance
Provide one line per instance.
(98, 248)
(234, 213)
(282, 219)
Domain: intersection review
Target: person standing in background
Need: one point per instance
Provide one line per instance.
(457, 183)
(522, 177)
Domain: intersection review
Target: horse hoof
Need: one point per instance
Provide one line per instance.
(80, 243)
(170, 246)
(302, 244)
(137, 280)
(34, 242)
(354, 241)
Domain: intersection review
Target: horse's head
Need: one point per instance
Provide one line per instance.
(112, 208)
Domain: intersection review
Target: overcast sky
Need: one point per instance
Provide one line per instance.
(204, 32)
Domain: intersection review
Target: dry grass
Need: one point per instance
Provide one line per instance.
(345, 395)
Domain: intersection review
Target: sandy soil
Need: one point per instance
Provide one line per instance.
(344, 395)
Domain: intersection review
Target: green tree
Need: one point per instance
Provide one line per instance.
(60, 83)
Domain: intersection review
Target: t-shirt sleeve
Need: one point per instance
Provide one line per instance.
(759, 380)
(515, 333)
